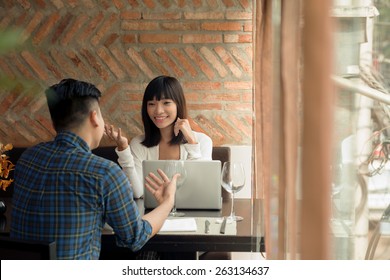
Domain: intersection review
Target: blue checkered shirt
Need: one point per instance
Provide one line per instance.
(64, 193)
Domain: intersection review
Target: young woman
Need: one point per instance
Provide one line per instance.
(167, 132)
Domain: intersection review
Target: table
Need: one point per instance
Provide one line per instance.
(248, 237)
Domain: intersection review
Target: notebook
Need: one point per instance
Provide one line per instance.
(200, 190)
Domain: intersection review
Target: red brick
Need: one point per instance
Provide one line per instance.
(118, 4)
(232, 131)
(169, 62)
(39, 104)
(180, 26)
(129, 38)
(153, 61)
(230, 97)
(162, 16)
(93, 23)
(128, 15)
(111, 39)
(240, 57)
(159, 38)
(228, 3)
(202, 38)
(59, 4)
(238, 85)
(211, 130)
(139, 25)
(78, 64)
(125, 61)
(222, 26)
(214, 61)
(95, 64)
(182, 3)
(34, 22)
(20, 21)
(21, 67)
(191, 97)
(184, 61)
(246, 4)
(133, 3)
(45, 28)
(228, 61)
(237, 38)
(197, 3)
(63, 22)
(25, 4)
(7, 102)
(5, 22)
(241, 123)
(79, 21)
(197, 59)
(150, 4)
(248, 27)
(6, 70)
(239, 107)
(234, 15)
(111, 63)
(130, 107)
(140, 63)
(209, 86)
(134, 96)
(247, 96)
(104, 28)
(53, 69)
(204, 15)
(205, 106)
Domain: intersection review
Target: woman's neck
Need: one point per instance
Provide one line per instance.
(166, 134)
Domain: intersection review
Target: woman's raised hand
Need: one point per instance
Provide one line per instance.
(116, 135)
(183, 125)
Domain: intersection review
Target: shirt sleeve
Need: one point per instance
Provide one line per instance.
(122, 212)
(132, 167)
(202, 150)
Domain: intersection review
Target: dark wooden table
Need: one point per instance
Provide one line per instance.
(249, 235)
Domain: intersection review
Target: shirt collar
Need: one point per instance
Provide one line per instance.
(73, 139)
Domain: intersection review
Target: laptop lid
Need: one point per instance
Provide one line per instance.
(200, 190)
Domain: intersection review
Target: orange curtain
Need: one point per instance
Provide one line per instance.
(262, 100)
(318, 97)
(289, 116)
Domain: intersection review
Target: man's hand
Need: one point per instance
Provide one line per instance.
(162, 188)
(116, 135)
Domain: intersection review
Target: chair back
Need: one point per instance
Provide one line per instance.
(222, 154)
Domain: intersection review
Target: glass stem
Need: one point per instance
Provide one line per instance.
(174, 205)
(232, 207)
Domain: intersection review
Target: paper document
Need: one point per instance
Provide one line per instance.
(183, 224)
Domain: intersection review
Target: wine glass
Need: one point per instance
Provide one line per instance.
(233, 180)
(171, 168)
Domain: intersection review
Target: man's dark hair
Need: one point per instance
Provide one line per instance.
(162, 87)
(70, 101)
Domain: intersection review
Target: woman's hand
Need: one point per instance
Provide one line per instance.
(116, 135)
(183, 125)
(161, 188)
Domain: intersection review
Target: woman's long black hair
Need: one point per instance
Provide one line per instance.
(162, 87)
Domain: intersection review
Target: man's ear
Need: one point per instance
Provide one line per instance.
(93, 118)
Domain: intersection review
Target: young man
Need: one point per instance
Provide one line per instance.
(64, 193)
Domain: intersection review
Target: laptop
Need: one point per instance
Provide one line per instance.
(201, 189)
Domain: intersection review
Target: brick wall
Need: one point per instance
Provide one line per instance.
(120, 46)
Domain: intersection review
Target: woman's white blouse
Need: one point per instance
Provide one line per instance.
(131, 158)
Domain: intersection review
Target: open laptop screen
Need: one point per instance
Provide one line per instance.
(200, 190)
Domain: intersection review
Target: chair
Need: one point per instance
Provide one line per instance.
(15, 249)
(222, 154)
